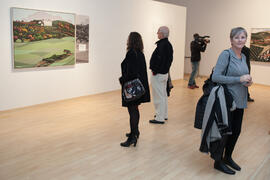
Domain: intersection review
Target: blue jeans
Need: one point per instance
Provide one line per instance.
(195, 67)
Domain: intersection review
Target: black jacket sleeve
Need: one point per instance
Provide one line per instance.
(156, 60)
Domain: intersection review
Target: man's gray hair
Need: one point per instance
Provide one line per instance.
(165, 31)
(236, 31)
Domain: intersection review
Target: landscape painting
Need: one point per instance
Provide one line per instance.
(260, 45)
(42, 38)
(82, 39)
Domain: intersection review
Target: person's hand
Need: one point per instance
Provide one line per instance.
(248, 83)
(245, 78)
(206, 41)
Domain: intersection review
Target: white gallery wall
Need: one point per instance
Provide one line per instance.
(110, 24)
(176, 2)
(216, 18)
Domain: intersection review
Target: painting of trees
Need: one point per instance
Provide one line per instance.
(39, 35)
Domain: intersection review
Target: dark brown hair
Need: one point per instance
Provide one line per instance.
(135, 41)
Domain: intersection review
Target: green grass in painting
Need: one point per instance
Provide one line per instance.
(29, 54)
(67, 61)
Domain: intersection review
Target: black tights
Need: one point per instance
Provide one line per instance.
(228, 142)
(237, 117)
(134, 115)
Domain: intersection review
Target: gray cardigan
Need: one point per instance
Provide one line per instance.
(237, 68)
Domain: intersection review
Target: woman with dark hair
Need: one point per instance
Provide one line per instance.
(235, 74)
(134, 66)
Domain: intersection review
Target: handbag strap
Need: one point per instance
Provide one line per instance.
(228, 62)
(226, 67)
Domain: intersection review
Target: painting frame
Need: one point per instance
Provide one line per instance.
(260, 46)
(42, 38)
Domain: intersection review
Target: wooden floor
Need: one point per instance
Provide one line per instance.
(78, 139)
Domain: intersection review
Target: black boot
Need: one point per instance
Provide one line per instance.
(230, 162)
(221, 166)
(136, 134)
(131, 140)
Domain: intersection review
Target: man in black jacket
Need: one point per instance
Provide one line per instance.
(196, 47)
(246, 52)
(160, 64)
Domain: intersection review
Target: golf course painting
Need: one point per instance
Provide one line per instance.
(42, 38)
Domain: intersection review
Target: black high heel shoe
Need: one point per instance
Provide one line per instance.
(136, 135)
(131, 140)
